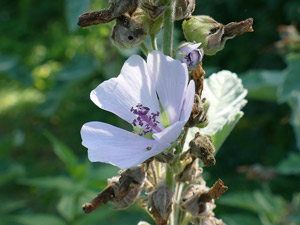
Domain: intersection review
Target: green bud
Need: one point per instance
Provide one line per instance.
(212, 34)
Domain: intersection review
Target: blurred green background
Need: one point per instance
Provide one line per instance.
(48, 66)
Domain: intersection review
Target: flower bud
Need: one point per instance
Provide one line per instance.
(202, 147)
(184, 9)
(190, 54)
(160, 203)
(212, 34)
(128, 32)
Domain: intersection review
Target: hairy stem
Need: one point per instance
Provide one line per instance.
(168, 21)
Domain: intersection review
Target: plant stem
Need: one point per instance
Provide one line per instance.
(169, 177)
(153, 42)
(144, 49)
(168, 20)
(186, 219)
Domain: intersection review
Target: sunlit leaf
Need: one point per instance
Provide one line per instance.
(226, 95)
(290, 165)
(74, 8)
(263, 84)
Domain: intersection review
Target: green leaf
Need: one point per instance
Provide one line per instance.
(238, 219)
(74, 8)
(63, 152)
(222, 134)
(226, 95)
(263, 84)
(34, 219)
(290, 165)
(291, 83)
(67, 206)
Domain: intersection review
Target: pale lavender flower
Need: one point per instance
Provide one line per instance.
(191, 54)
(135, 96)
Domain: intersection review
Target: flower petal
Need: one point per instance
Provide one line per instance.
(171, 77)
(132, 86)
(189, 48)
(170, 134)
(188, 102)
(110, 144)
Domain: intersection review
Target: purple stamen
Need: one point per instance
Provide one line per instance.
(147, 122)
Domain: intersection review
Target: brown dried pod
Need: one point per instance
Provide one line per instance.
(131, 178)
(102, 198)
(202, 147)
(128, 32)
(184, 9)
(198, 208)
(192, 190)
(117, 8)
(212, 221)
(199, 113)
(160, 203)
(190, 172)
(152, 9)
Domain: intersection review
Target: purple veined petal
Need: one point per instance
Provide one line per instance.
(110, 144)
(189, 48)
(171, 77)
(131, 87)
(188, 102)
(169, 134)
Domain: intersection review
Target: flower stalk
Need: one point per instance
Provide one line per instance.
(168, 23)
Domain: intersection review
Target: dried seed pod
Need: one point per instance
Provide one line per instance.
(189, 172)
(128, 32)
(184, 9)
(198, 208)
(212, 221)
(152, 9)
(212, 34)
(202, 147)
(131, 178)
(160, 203)
(198, 115)
(117, 8)
(192, 190)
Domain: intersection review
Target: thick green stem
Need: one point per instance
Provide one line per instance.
(169, 177)
(168, 20)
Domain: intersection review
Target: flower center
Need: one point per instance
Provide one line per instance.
(145, 120)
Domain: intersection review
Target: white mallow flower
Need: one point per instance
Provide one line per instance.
(154, 97)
